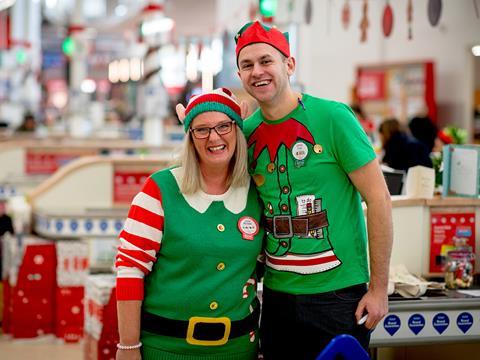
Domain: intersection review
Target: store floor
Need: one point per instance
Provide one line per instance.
(45, 348)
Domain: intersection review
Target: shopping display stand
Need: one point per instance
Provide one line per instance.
(78, 211)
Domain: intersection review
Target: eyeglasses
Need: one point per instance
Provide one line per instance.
(204, 132)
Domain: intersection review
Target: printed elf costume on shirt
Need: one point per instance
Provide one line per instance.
(198, 255)
(316, 238)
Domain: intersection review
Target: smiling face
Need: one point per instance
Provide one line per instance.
(215, 151)
(265, 72)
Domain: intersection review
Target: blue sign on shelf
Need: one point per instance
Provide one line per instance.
(74, 225)
(88, 225)
(391, 324)
(465, 321)
(440, 322)
(416, 323)
(59, 225)
(103, 225)
(118, 225)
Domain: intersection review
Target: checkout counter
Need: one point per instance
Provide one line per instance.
(99, 190)
(448, 319)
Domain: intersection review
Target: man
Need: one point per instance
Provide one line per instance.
(311, 161)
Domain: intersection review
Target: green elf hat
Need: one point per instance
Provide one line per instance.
(254, 32)
(221, 100)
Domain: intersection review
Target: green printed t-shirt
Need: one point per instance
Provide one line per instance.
(300, 164)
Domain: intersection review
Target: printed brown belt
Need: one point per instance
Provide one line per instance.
(286, 226)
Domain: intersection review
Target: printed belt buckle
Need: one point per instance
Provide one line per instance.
(194, 320)
(290, 227)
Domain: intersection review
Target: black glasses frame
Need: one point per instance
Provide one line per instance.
(216, 127)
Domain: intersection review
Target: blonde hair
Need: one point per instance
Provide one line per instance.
(237, 171)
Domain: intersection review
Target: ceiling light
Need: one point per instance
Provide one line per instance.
(160, 25)
(121, 10)
(88, 86)
(476, 50)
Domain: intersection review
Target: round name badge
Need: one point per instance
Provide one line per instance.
(248, 226)
(299, 151)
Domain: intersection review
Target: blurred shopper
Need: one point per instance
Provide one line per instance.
(311, 160)
(28, 124)
(366, 123)
(401, 151)
(186, 284)
(424, 130)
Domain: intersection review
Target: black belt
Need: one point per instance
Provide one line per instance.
(286, 226)
(207, 331)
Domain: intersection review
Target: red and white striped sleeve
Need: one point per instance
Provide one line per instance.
(140, 241)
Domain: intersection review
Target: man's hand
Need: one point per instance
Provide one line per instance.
(375, 304)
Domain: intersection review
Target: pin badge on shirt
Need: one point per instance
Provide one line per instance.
(299, 153)
(318, 149)
(248, 226)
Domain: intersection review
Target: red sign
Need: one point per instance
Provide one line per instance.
(126, 184)
(44, 163)
(444, 227)
(371, 85)
(5, 32)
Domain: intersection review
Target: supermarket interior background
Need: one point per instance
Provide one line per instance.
(88, 90)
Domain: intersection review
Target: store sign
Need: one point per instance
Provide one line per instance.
(440, 322)
(371, 85)
(44, 163)
(465, 321)
(391, 324)
(126, 184)
(416, 323)
(443, 228)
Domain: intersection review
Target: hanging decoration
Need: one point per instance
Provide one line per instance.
(364, 24)
(410, 19)
(226, 39)
(253, 11)
(346, 15)
(308, 12)
(387, 21)
(267, 9)
(434, 11)
(291, 8)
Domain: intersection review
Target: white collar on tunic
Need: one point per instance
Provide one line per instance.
(234, 199)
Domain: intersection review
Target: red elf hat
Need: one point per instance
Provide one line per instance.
(255, 32)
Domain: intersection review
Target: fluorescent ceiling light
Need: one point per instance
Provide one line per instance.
(157, 26)
(51, 3)
(5, 4)
(476, 50)
(121, 10)
(88, 86)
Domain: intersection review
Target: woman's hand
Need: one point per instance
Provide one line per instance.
(128, 354)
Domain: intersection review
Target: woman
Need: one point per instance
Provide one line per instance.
(187, 259)
(401, 151)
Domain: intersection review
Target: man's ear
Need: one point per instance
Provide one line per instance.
(243, 109)
(290, 65)
(180, 109)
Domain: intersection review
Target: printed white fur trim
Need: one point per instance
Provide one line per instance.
(234, 200)
(293, 263)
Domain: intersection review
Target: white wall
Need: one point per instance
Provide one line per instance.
(328, 54)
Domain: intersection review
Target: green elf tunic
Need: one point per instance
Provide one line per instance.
(205, 266)
(300, 164)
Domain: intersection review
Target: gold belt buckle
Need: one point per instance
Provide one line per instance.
(199, 319)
